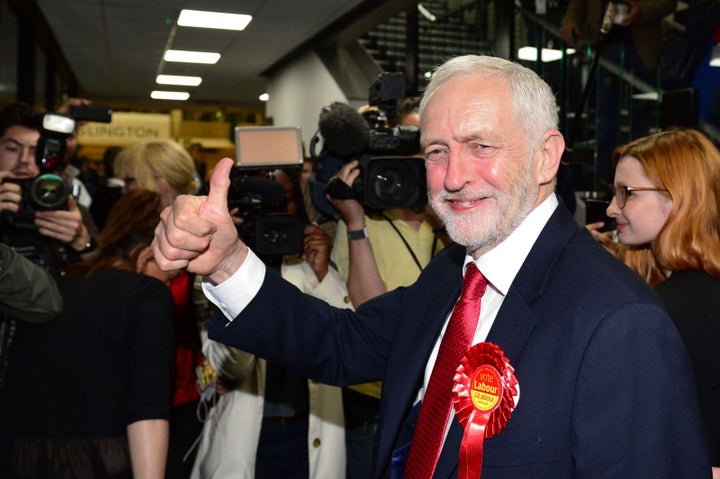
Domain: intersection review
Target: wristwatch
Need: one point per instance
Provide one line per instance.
(358, 234)
(91, 245)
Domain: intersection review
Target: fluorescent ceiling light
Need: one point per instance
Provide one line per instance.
(187, 56)
(264, 97)
(222, 21)
(169, 95)
(530, 54)
(183, 80)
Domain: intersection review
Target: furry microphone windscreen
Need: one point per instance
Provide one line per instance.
(345, 132)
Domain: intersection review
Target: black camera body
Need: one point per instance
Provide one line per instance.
(266, 227)
(391, 175)
(385, 182)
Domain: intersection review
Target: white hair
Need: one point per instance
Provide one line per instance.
(534, 106)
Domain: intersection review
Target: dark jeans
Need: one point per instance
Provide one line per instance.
(362, 414)
(283, 449)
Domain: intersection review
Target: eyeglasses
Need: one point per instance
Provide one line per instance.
(622, 192)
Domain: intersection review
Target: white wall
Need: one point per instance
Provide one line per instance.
(298, 92)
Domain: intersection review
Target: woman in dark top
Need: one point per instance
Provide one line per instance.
(88, 393)
(667, 208)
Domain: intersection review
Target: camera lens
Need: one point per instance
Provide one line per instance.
(394, 184)
(49, 191)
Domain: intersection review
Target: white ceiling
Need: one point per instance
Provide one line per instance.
(115, 47)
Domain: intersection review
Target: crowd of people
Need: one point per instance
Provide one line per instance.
(142, 336)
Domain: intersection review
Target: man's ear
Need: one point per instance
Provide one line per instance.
(145, 256)
(548, 156)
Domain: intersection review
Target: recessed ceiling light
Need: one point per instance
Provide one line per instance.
(187, 56)
(264, 97)
(219, 20)
(183, 80)
(169, 95)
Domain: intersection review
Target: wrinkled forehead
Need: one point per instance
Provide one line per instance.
(463, 97)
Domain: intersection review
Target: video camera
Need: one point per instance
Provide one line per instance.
(266, 226)
(391, 176)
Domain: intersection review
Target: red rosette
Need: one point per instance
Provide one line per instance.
(483, 397)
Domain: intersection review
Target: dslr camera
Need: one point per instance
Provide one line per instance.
(391, 173)
(266, 227)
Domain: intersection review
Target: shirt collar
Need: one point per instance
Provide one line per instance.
(501, 264)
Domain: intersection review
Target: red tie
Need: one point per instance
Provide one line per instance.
(435, 408)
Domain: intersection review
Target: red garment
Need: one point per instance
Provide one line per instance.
(188, 353)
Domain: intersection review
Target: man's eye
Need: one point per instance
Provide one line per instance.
(434, 153)
(478, 146)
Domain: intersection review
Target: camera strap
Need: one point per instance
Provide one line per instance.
(412, 253)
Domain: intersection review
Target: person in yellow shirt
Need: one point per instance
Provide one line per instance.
(375, 253)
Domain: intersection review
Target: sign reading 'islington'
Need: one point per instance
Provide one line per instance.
(126, 129)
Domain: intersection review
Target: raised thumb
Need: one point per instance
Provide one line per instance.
(219, 185)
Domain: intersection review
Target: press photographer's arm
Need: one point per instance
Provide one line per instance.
(198, 233)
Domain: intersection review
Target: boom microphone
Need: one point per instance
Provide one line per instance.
(345, 132)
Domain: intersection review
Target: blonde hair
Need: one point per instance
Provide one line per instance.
(687, 164)
(152, 160)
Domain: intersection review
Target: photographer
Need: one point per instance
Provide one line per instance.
(61, 236)
(375, 253)
(376, 250)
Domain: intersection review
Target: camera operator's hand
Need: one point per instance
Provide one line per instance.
(317, 250)
(633, 15)
(570, 33)
(351, 210)
(10, 193)
(64, 225)
(71, 102)
(605, 238)
(198, 233)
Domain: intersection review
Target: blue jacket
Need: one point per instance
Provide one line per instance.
(606, 387)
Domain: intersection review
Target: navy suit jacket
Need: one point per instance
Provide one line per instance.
(606, 388)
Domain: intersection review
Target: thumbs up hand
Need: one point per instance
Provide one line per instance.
(198, 233)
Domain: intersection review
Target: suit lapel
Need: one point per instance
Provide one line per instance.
(516, 317)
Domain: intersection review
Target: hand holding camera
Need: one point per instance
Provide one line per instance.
(339, 193)
(64, 225)
(10, 193)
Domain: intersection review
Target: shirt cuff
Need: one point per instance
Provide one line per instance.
(234, 294)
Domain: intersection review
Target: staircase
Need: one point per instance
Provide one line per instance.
(459, 28)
